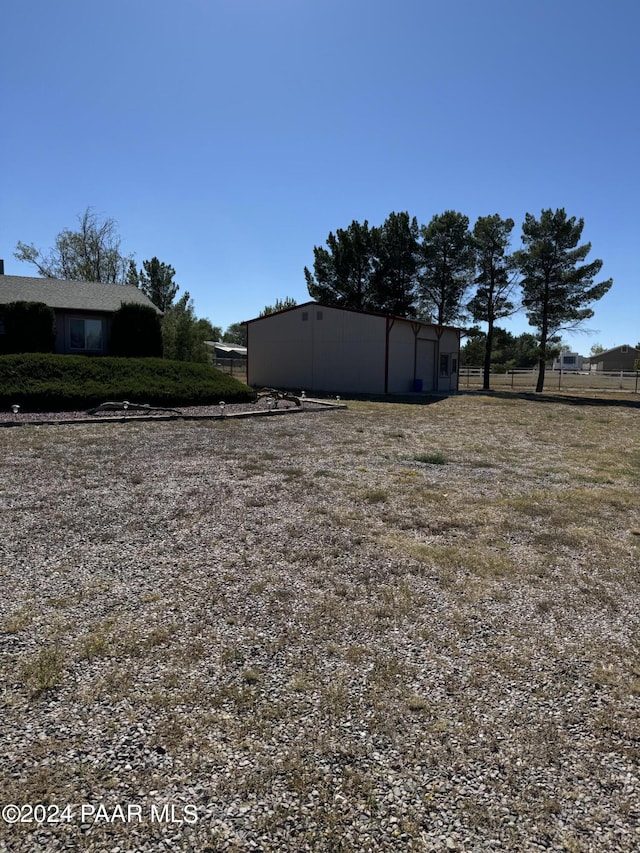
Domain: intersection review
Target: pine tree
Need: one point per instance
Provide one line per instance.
(156, 281)
(447, 259)
(396, 267)
(343, 272)
(494, 279)
(556, 287)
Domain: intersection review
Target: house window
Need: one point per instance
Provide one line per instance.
(569, 359)
(624, 349)
(444, 365)
(85, 335)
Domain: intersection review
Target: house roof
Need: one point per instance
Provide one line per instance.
(352, 310)
(70, 295)
(626, 347)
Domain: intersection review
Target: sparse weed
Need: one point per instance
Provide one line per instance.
(18, 621)
(417, 703)
(435, 458)
(251, 676)
(94, 646)
(44, 672)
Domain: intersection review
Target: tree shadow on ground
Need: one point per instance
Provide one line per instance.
(567, 399)
(412, 399)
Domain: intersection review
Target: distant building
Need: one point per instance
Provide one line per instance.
(618, 358)
(221, 350)
(568, 361)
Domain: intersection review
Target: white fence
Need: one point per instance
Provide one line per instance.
(554, 380)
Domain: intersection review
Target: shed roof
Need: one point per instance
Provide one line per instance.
(351, 310)
(70, 295)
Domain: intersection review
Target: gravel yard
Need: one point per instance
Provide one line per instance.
(383, 628)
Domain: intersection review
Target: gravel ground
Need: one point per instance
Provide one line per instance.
(388, 628)
(261, 406)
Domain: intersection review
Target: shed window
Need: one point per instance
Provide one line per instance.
(318, 315)
(305, 316)
(444, 365)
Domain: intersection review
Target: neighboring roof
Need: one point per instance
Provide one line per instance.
(353, 311)
(627, 347)
(237, 348)
(70, 295)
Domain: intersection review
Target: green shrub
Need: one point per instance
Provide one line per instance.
(436, 458)
(29, 327)
(65, 382)
(136, 332)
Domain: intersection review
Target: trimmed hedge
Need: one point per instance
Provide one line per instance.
(29, 327)
(135, 332)
(53, 383)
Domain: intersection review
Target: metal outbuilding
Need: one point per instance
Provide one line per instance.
(323, 348)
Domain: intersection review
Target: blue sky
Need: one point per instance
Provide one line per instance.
(228, 137)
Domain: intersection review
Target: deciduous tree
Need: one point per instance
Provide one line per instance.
(236, 333)
(182, 338)
(90, 254)
(207, 331)
(557, 287)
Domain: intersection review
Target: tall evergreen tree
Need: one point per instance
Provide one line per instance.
(396, 267)
(280, 305)
(132, 278)
(494, 279)
(447, 260)
(156, 281)
(557, 287)
(343, 272)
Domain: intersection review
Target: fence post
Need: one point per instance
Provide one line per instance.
(636, 391)
(560, 379)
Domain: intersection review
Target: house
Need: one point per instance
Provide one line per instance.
(618, 358)
(83, 309)
(321, 348)
(568, 361)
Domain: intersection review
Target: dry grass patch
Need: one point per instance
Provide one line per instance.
(326, 640)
